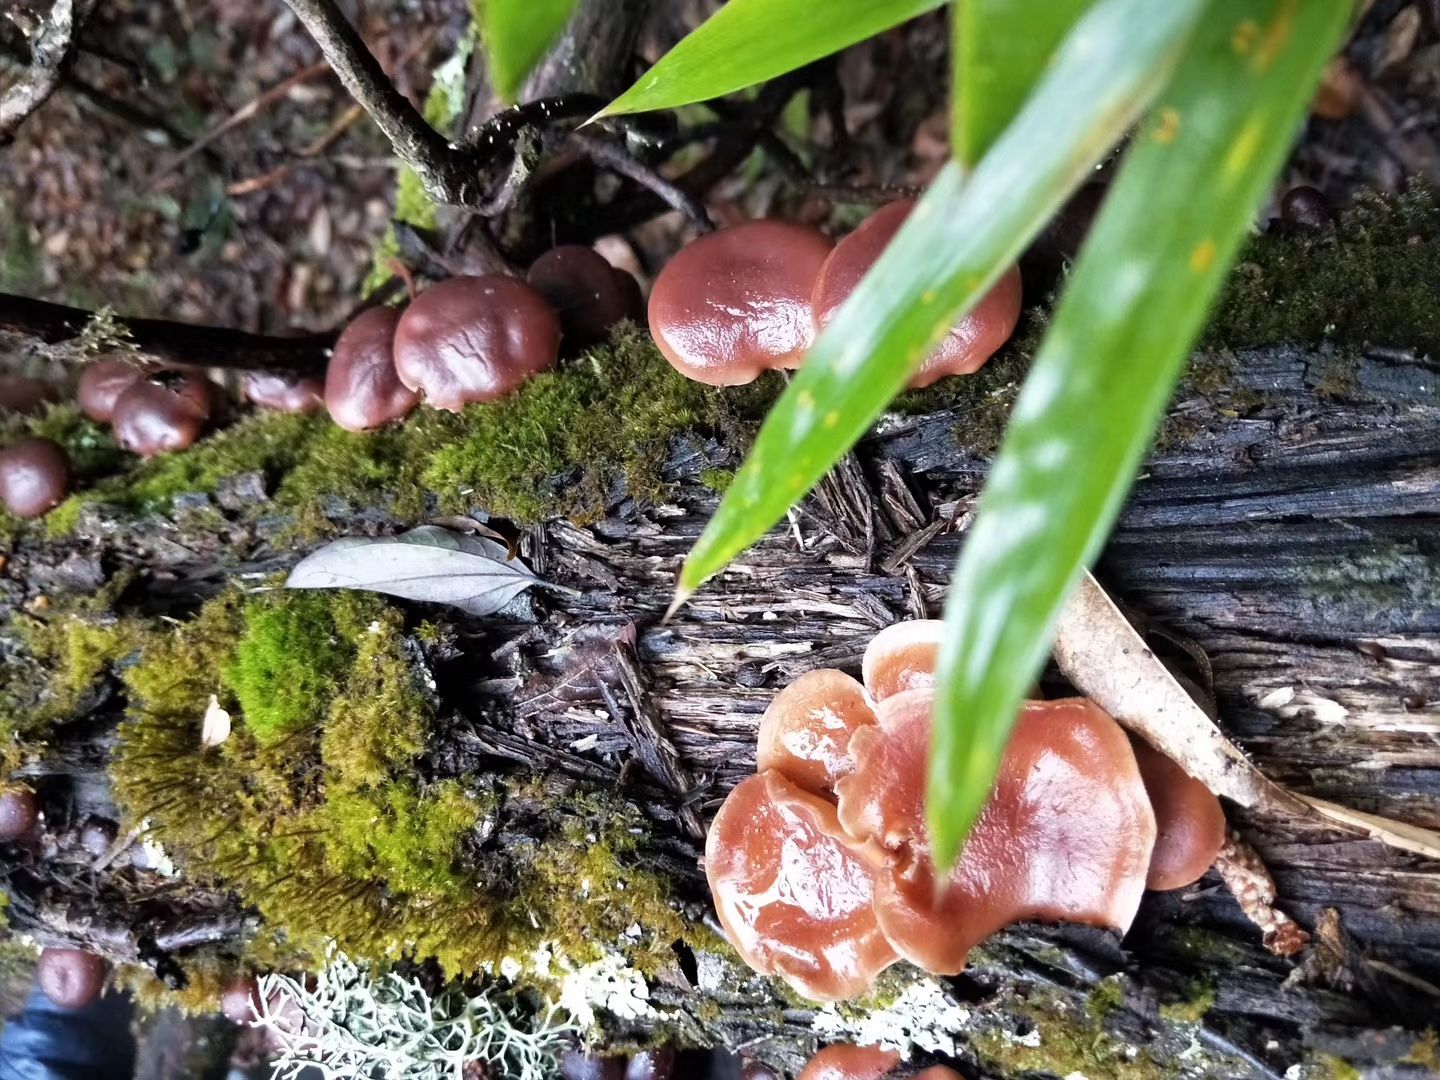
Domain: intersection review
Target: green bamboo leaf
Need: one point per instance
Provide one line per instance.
(961, 237)
(749, 41)
(517, 34)
(1136, 301)
(1000, 50)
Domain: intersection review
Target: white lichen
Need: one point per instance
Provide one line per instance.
(923, 1018)
(609, 984)
(354, 1022)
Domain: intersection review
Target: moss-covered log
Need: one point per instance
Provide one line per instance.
(524, 792)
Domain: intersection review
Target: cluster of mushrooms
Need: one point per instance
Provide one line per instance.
(820, 864)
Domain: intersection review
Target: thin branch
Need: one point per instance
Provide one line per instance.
(614, 158)
(51, 49)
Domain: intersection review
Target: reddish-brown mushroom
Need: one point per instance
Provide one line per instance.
(938, 1072)
(588, 294)
(102, 383)
(845, 1062)
(794, 897)
(655, 1064)
(737, 302)
(285, 392)
(163, 412)
(474, 339)
(971, 341)
(1065, 836)
(362, 389)
(578, 1066)
(70, 978)
(901, 657)
(755, 1070)
(805, 733)
(19, 812)
(1189, 823)
(34, 476)
(22, 395)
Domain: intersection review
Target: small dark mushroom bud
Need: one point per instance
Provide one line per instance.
(22, 395)
(1305, 208)
(737, 302)
(473, 339)
(34, 476)
(577, 1066)
(655, 1064)
(163, 412)
(754, 1070)
(70, 978)
(101, 385)
(362, 390)
(240, 1001)
(588, 294)
(19, 811)
(971, 341)
(285, 392)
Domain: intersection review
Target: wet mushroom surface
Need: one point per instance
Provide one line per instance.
(35, 476)
(1189, 821)
(283, 391)
(362, 389)
(845, 1062)
(163, 412)
(70, 978)
(588, 294)
(102, 383)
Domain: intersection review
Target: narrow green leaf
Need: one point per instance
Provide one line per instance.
(1136, 301)
(1000, 49)
(517, 34)
(749, 41)
(962, 236)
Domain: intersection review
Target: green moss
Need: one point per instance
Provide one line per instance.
(1426, 1051)
(1194, 1009)
(1108, 995)
(393, 831)
(1336, 1068)
(1396, 581)
(717, 480)
(1068, 1043)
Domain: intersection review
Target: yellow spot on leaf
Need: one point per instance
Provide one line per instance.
(928, 296)
(805, 400)
(1277, 34)
(1202, 256)
(832, 419)
(1169, 125)
(1242, 150)
(1245, 35)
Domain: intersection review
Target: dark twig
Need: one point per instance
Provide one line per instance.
(38, 323)
(615, 159)
(51, 50)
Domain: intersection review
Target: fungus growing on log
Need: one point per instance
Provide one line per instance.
(736, 303)
(473, 339)
(284, 391)
(805, 733)
(19, 812)
(579, 1066)
(901, 657)
(970, 342)
(589, 295)
(1189, 823)
(362, 389)
(654, 1064)
(1066, 834)
(70, 978)
(101, 385)
(22, 395)
(163, 412)
(845, 1062)
(795, 898)
(34, 476)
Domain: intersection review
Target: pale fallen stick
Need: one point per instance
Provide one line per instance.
(1106, 659)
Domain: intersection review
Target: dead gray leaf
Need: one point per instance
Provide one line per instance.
(472, 573)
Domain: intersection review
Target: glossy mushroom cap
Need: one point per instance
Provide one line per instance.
(240, 1001)
(845, 1062)
(163, 412)
(474, 339)
(736, 303)
(654, 1064)
(19, 812)
(754, 1070)
(1306, 208)
(362, 390)
(284, 392)
(588, 294)
(70, 978)
(805, 733)
(34, 476)
(1189, 823)
(971, 341)
(794, 897)
(577, 1066)
(1065, 836)
(22, 395)
(938, 1072)
(101, 385)
(902, 657)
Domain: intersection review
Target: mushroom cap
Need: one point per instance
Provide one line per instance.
(1066, 834)
(1305, 207)
(736, 303)
(70, 978)
(902, 657)
(580, 1066)
(805, 733)
(475, 339)
(1189, 823)
(240, 1000)
(34, 476)
(971, 341)
(163, 412)
(102, 383)
(845, 1062)
(938, 1072)
(19, 811)
(23, 395)
(284, 391)
(794, 897)
(362, 390)
(755, 1070)
(657, 1063)
(588, 294)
